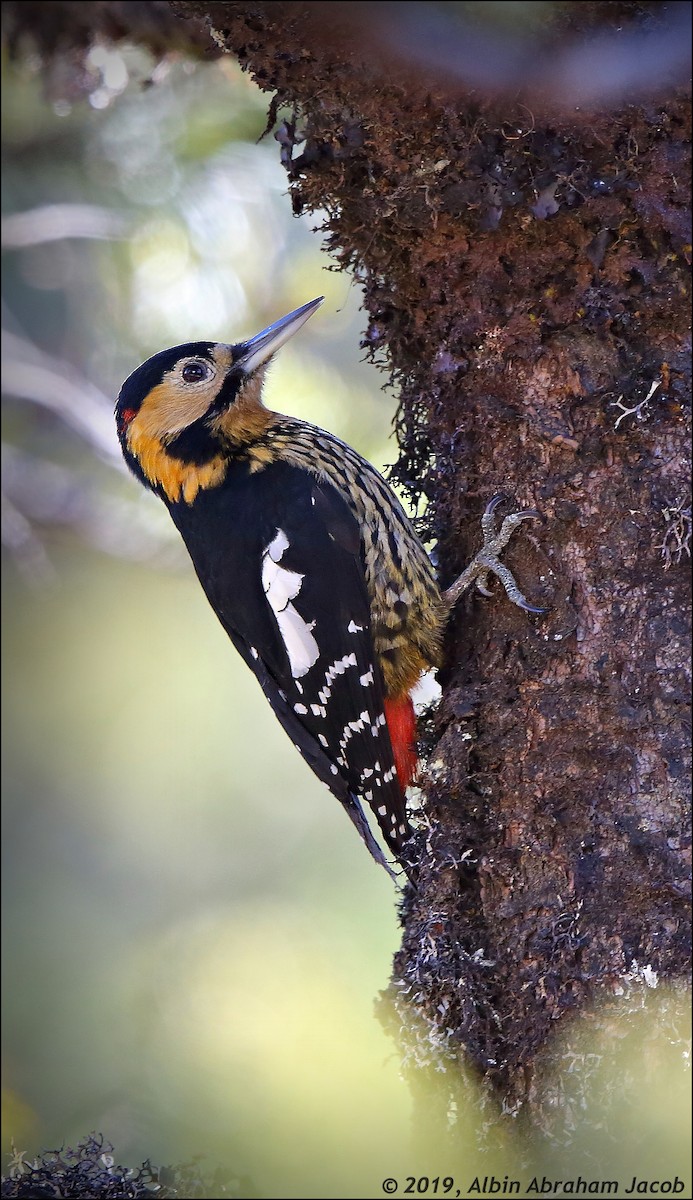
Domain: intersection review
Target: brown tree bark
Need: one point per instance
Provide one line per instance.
(525, 264)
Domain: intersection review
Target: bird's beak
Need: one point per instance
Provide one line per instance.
(254, 353)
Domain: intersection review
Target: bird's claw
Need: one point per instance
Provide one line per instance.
(521, 602)
(493, 504)
(487, 560)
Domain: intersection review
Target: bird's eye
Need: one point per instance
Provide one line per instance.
(194, 372)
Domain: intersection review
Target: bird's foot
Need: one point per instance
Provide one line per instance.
(487, 560)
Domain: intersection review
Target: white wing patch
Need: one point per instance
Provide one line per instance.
(281, 587)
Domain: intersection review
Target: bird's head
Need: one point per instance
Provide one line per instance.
(181, 412)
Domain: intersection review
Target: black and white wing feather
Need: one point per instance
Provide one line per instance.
(282, 567)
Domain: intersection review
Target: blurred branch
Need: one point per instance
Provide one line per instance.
(53, 222)
(603, 68)
(38, 494)
(29, 374)
(626, 52)
(22, 542)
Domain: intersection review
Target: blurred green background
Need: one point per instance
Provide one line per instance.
(194, 937)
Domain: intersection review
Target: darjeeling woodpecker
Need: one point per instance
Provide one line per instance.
(308, 560)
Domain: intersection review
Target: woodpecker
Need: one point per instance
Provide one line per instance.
(307, 558)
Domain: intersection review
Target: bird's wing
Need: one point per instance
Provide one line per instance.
(289, 589)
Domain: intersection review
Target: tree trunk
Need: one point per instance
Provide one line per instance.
(525, 271)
